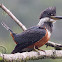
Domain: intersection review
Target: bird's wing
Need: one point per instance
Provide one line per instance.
(30, 36)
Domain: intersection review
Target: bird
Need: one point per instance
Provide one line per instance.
(35, 36)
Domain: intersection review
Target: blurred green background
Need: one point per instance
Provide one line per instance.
(28, 12)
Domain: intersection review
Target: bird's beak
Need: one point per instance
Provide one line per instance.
(56, 17)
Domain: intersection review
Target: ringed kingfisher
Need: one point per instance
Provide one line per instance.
(35, 36)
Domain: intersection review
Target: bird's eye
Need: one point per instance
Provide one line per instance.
(51, 14)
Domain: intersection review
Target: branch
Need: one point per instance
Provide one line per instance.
(13, 17)
(55, 45)
(54, 54)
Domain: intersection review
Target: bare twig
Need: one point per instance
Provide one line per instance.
(13, 17)
(55, 45)
(54, 54)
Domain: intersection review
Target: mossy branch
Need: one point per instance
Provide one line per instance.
(53, 54)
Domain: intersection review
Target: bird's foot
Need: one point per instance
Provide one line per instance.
(42, 50)
(37, 50)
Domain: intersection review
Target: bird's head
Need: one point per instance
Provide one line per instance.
(49, 15)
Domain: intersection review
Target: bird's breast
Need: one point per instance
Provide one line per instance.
(42, 41)
(49, 34)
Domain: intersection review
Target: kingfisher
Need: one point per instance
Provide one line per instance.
(35, 36)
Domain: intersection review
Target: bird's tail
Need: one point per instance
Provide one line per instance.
(6, 27)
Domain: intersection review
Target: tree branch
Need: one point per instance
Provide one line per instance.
(13, 17)
(55, 45)
(54, 54)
